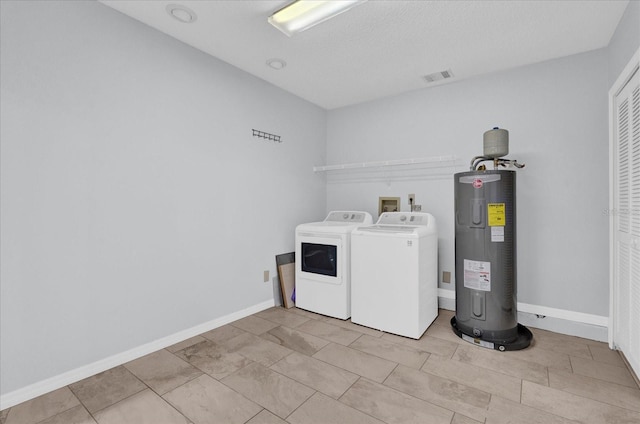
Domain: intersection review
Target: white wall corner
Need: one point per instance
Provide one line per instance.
(45, 386)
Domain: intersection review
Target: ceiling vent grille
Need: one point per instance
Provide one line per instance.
(438, 76)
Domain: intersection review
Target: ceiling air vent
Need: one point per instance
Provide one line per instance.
(437, 76)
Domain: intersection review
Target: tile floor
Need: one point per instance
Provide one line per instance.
(293, 366)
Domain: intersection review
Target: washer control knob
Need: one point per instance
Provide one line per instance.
(403, 218)
(345, 215)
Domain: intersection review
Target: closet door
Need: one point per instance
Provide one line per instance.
(626, 221)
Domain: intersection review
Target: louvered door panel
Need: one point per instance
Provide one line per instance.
(633, 353)
(627, 223)
(624, 292)
(624, 164)
(633, 130)
(623, 224)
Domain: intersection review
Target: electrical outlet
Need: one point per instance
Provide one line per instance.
(446, 277)
(265, 277)
(412, 199)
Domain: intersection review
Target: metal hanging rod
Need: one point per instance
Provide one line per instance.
(266, 135)
(435, 161)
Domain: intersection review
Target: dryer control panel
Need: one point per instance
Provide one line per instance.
(349, 216)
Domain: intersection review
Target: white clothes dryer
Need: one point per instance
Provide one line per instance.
(323, 271)
(394, 273)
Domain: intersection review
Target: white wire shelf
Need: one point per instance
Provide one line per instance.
(431, 162)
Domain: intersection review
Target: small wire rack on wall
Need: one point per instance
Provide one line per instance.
(266, 136)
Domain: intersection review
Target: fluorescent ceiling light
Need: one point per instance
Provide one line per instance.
(303, 14)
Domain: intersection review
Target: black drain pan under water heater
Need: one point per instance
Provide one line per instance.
(485, 250)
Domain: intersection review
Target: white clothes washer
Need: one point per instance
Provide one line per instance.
(323, 271)
(394, 273)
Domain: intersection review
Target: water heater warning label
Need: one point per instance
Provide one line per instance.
(497, 234)
(477, 275)
(496, 214)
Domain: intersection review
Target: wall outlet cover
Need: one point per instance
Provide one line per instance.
(446, 277)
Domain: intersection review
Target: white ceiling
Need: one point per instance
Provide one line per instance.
(382, 48)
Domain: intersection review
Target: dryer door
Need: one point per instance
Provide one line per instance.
(320, 257)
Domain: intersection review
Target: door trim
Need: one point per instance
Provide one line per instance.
(627, 73)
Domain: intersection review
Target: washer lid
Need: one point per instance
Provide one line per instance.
(401, 229)
(338, 222)
(328, 227)
(392, 231)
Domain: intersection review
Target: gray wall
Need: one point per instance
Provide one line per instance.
(625, 40)
(556, 113)
(135, 201)
(557, 116)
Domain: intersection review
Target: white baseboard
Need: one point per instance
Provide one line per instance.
(447, 299)
(45, 386)
(589, 326)
(579, 324)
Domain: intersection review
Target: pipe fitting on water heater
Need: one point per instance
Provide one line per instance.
(495, 146)
(495, 143)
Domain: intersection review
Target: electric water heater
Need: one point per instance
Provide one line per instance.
(485, 251)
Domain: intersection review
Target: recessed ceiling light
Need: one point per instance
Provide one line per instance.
(181, 13)
(276, 63)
